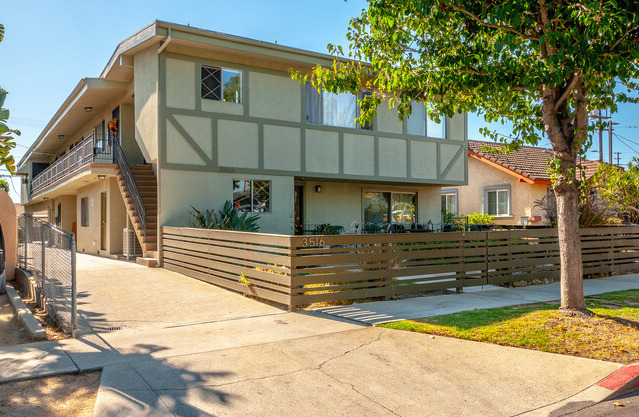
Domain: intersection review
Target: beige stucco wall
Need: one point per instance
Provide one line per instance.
(68, 205)
(180, 84)
(179, 190)
(89, 236)
(274, 97)
(237, 144)
(457, 127)
(8, 223)
(127, 135)
(116, 217)
(146, 67)
(388, 120)
(282, 148)
(340, 203)
(480, 175)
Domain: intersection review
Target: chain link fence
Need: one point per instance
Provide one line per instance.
(49, 253)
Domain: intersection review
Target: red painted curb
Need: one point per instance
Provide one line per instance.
(623, 380)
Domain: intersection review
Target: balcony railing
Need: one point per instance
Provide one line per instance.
(95, 148)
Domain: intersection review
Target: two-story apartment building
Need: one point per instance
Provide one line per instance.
(185, 117)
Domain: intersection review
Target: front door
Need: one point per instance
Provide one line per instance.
(103, 220)
(299, 209)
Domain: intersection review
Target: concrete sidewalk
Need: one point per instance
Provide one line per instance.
(471, 299)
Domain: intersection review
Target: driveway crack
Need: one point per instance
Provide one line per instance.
(310, 368)
(352, 386)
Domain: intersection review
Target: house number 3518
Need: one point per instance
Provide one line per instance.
(313, 241)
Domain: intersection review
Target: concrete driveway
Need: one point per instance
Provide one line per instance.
(123, 295)
(191, 349)
(365, 372)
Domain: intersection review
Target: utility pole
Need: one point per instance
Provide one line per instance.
(610, 141)
(618, 155)
(599, 116)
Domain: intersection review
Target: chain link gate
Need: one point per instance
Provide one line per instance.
(50, 254)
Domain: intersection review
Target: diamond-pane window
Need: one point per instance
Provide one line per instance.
(253, 196)
(221, 84)
(212, 83)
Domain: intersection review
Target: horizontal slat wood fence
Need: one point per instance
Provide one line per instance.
(301, 270)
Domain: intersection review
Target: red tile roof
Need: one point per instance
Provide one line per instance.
(528, 161)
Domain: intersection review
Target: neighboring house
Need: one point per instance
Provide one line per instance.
(504, 185)
(185, 117)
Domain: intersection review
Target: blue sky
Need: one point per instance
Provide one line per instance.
(50, 45)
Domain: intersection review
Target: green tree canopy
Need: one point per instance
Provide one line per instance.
(6, 133)
(4, 185)
(620, 188)
(540, 65)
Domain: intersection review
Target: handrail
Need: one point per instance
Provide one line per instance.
(93, 148)
(77, 158)
(131, 186)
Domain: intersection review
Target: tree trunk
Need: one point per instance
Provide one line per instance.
(572, 288)
(567, 133)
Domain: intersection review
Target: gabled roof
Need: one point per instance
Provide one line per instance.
(528, 163)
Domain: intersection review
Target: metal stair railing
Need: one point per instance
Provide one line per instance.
(129, 182)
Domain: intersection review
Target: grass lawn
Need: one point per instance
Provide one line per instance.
(612, 334)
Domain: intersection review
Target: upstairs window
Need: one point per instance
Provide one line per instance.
(420, 124)
(324, 108)
(253, 196)
(221, 84)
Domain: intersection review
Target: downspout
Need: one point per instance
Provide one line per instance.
(166, 42)
(159, 158)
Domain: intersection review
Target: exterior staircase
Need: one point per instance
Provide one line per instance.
(146, 183)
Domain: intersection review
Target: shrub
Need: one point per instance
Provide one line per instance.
(478, 218)
(325, 229)
(228, 219)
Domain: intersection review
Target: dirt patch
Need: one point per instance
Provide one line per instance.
(12, 332)
(52, 329)
(62, 395)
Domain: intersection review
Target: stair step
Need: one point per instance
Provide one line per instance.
(150, 262)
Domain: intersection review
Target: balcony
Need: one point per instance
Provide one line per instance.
(95, 148)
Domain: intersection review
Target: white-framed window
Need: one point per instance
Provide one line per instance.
(421, 125)
(449, 202)
(253, 196)
(221, 84)
(497, 201)
(332, 109)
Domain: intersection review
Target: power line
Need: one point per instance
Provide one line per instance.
(626, 144)
(629, 140)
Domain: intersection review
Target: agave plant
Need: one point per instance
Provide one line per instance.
(205, 219)
(228, 219)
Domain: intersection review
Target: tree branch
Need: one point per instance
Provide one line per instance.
(494, 26)
(571, 84)
(624, 35)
